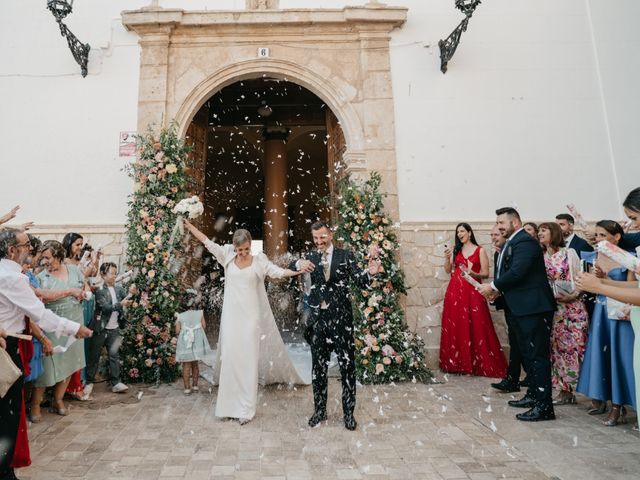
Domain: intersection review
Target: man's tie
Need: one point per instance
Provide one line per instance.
(499, 266)
(325, 265)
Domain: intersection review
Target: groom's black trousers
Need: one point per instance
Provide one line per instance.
(330, 335)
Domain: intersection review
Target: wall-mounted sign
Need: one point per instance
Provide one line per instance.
(127, 144)
(263, 52)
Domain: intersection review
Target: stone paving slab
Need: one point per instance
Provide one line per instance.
(460, 429)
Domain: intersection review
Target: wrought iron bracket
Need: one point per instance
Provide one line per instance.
(450, 44)
(80, 51)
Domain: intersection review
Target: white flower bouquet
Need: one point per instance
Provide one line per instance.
(192, 207)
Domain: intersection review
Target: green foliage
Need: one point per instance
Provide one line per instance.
(148, 349)
(385, 350)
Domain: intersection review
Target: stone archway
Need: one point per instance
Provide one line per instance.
(342, 55)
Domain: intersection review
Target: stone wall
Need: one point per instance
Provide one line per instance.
(109, 237)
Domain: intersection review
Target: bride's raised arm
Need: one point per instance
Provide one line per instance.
(220, 252)
(195, 232)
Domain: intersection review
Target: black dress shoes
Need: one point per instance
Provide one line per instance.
(9, 475)
(350, 422)
(506, 386)
(537, 414)
(316, 418)
(524, 402)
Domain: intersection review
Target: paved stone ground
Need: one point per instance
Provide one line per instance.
(456, 430)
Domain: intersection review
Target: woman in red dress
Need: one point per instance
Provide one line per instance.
(468, 341)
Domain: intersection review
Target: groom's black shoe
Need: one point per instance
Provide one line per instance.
(537, 414)
(506, 386)
(524, 402)
(350, 422)
(316, 418)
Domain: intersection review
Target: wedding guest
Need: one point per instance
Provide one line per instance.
(521, 278)
(74, 247)
(468, 340)
(607, 371)
(192, 346)
(531, 228)
(10, 215)
(81, 256)
(17, 300)
(571, 240)
(65, 284)
(570, 321)
(511, 383)
(109, 320)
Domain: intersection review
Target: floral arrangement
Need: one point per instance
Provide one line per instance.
(385, 350)
(189, 206)
(148, 349)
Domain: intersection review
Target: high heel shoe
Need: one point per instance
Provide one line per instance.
(618, 415)
(62, 411)
(565, 398)
(597, 410)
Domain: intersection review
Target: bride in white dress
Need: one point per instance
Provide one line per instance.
(250, 349)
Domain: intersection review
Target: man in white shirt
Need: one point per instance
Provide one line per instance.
(18, 300)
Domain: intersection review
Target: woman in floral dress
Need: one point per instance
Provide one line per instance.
(570, 321)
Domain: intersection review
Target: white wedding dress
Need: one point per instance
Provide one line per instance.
(250, 349)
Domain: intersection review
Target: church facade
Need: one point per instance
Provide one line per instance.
(536, 109)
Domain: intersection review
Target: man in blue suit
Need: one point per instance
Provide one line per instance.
(529, 303)
(571, 240)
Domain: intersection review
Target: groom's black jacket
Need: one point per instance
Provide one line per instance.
(335, 292)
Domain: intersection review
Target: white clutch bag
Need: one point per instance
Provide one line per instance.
(9, 372)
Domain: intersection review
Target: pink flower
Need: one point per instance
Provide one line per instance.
(379, 368)
(386, 361)
(133, 373)
(139, 337)
(148, 362)
(388, 351)
(398, 359)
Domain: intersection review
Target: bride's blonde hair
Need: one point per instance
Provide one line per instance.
(241, 236)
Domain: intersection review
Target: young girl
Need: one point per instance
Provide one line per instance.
(192, 341)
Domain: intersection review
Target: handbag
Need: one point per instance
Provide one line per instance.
(9, 372)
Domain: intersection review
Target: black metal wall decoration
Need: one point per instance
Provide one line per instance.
(60, 9)
(448, 47)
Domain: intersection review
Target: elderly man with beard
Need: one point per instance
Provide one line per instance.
(18, 300)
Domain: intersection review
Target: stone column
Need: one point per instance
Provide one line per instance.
(154, 65)
(276, 224)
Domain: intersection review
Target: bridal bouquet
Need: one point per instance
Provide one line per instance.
(192, 208)
(189, 206)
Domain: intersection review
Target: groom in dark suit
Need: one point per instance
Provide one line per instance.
(522, 280)
(330, 323)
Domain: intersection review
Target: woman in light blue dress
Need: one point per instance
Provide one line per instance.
(626, 292)
(192, 343)
(607, 369)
